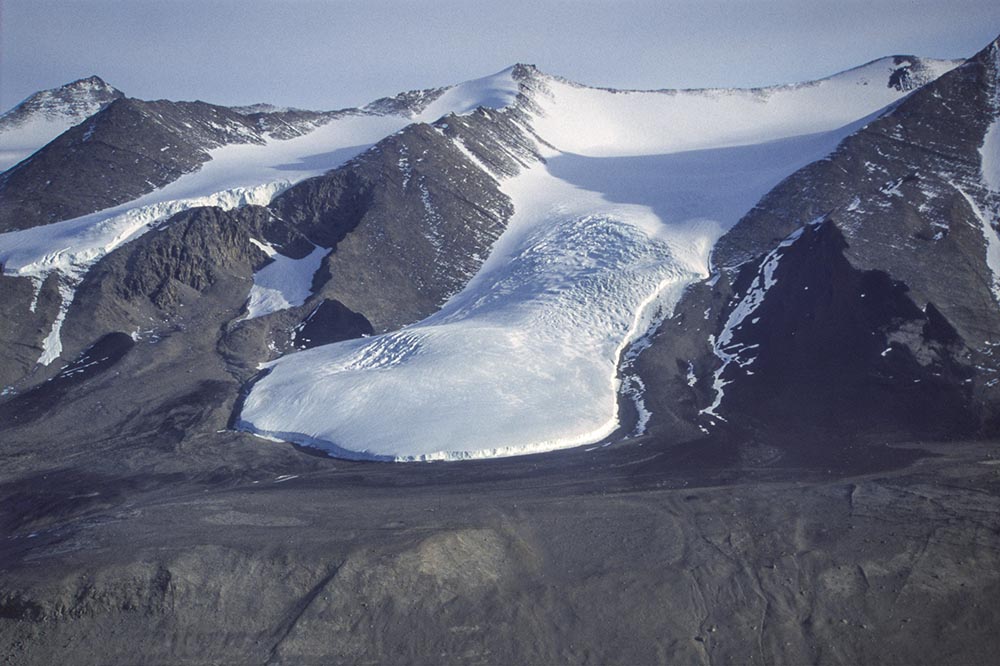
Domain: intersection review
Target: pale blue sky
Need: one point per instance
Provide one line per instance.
(346, 52)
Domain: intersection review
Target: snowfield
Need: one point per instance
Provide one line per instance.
(29, 137)
(602, 123)
(604, 239)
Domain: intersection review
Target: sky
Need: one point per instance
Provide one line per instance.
(340, 53)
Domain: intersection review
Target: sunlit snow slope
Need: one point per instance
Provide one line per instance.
(605, 236)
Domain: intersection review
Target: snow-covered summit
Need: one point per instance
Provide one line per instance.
(496, 91)
(77, 99)
(46, 114)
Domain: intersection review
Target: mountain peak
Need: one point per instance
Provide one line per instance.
(524, 71)
(89, 82)
(48, 113)
(79, 99)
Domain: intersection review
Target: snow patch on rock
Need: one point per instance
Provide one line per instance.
(71, 247)
(723, 346)
(283, 283)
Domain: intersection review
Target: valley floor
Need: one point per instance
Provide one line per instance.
(635, 553)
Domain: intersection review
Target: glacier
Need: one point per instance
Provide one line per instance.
(621, 217)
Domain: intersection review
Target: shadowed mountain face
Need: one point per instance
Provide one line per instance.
(829, 340)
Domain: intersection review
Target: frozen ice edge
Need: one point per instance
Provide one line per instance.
(656, 306)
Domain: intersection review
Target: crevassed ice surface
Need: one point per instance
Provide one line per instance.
(604, 238)
(517, 362)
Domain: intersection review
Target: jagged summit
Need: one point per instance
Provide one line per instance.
(48, 113)
(514, 264)
(77, 99)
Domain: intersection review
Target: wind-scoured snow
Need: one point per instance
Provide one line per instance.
(283, 283)
(606, 235)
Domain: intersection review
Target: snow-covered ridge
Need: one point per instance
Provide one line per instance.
(494, 92)
(235, 175)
